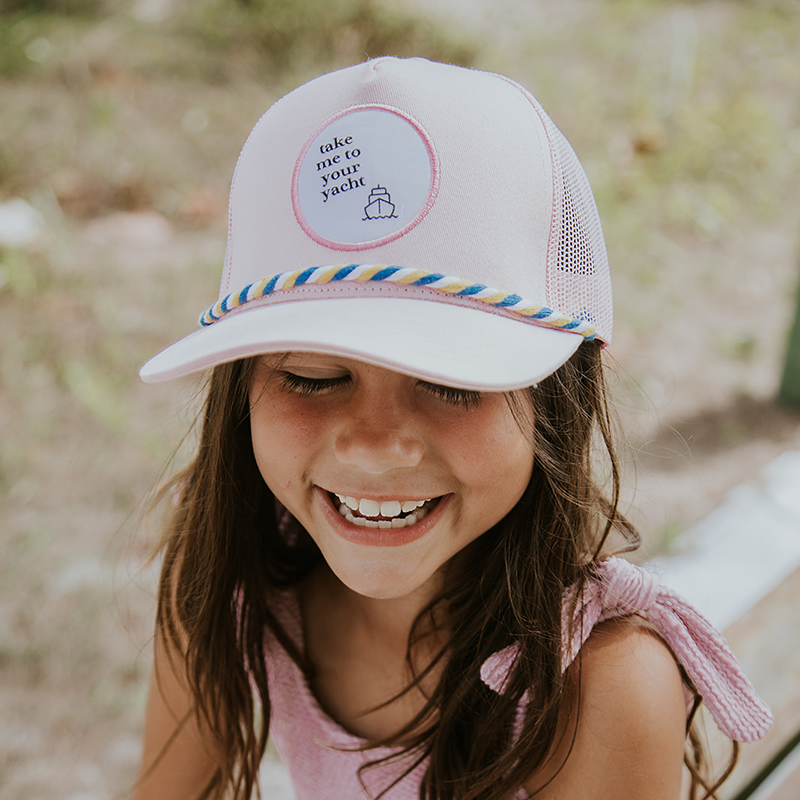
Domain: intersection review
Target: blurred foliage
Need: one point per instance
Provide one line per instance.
(18, 275)
(26, 27)
(98, 391)
(271, 35)
(291, 34)
(117, 81)
(88, 7)
(686, 116)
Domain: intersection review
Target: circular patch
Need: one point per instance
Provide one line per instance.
(368, 176)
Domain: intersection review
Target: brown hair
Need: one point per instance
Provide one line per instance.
(223, 552)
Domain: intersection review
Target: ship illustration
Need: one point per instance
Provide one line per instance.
(380, 204)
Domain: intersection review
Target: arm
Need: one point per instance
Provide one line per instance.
(180, 769)
(630, 729)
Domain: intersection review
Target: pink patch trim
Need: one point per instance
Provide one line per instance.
(423, 212)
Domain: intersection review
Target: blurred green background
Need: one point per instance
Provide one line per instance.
(120, 124)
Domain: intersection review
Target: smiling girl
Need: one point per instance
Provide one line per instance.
(391, 552)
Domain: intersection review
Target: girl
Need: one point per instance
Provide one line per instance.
(391, 550)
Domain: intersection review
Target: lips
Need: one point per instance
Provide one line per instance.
(372, 533)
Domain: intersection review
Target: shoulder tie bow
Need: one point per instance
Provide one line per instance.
(621, 588)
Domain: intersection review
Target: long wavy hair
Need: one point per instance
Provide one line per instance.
(223, 552)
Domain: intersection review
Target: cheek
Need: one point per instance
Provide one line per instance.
(506, 474)
(265, 444)
(514, 446)
(504, 448)
(282, 442)
(495, 459)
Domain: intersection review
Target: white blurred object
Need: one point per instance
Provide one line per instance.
(273, 778)
(152, 10)
(744, 548)
(20, 223)
(131, 229)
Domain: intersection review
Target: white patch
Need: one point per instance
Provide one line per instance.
(368, 176)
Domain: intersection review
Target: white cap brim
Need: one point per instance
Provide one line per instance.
(442, 343)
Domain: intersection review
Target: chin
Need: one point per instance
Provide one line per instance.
(382, 583)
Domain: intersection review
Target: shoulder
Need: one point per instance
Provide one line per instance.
(624, 734)
(627, 672)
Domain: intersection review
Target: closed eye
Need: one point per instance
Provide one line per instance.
(464, 398)
(302, 385)
(305, 385)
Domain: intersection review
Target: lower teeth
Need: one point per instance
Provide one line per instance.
(384, 524)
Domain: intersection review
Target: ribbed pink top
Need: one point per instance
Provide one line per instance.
(311, 743)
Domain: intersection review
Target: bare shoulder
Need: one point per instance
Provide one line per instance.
(625, 737)
(628, 669)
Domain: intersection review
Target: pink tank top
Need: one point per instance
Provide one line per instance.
(312, 744)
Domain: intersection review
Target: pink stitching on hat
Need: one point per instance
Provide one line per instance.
(421, 214)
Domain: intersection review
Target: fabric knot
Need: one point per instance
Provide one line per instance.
(619, 588)
(625, 588)
(495, 670)
(622, 588)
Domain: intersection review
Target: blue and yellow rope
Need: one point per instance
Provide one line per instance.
(512, 303)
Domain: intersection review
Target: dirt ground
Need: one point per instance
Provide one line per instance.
(694, 161)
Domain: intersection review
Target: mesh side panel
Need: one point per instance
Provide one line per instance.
(578, 280)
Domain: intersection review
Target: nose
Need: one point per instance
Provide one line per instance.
(378, 433)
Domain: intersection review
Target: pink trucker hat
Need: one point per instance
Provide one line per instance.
(418, 216)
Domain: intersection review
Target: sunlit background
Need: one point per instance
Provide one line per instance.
(120, 124)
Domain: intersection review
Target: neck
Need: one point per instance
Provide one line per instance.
(357, 647)
(387, 618)
(384, 622)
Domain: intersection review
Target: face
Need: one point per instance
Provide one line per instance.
(390, 475)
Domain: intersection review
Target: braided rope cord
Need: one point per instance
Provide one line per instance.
(513, 303)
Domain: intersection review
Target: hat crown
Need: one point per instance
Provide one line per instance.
(421, 217)
(459, 173)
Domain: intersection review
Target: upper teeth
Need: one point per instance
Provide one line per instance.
(388, 508)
